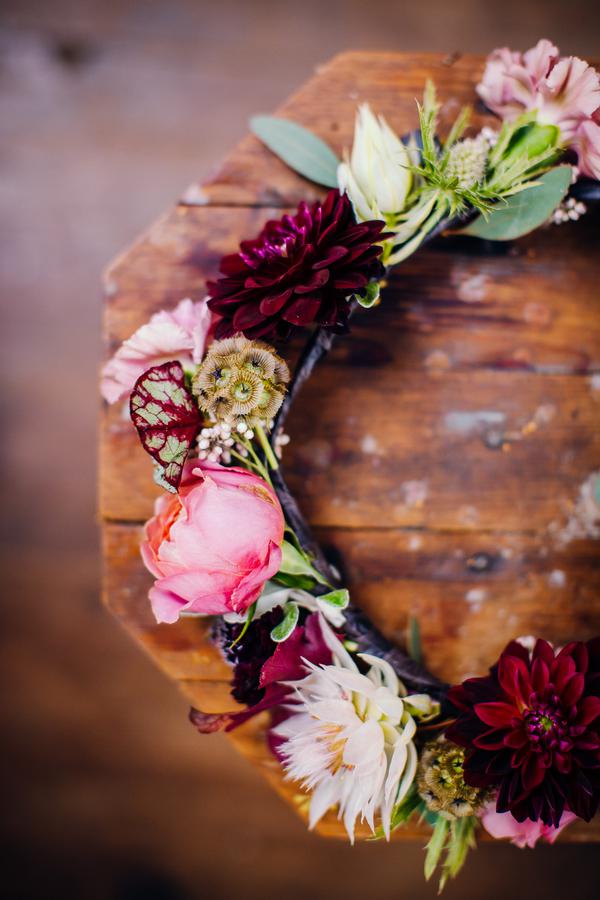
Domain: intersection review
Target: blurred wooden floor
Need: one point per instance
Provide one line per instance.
(107, 110)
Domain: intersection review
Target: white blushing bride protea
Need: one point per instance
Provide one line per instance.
(377, 176)
(349, 739)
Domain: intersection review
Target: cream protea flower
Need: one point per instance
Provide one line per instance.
(349, 739)
(377, 175)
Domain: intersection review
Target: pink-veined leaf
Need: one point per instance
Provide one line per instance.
(166, 417)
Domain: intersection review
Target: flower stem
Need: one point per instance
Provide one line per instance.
(268, 450)
(255, 462)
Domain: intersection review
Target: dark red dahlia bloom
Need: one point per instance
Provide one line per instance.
(531, 730)
(299, 270)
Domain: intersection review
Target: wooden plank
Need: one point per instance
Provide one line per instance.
(493, 433)
(327, 103)
(377, 446)
(525, 306)
(470, 592)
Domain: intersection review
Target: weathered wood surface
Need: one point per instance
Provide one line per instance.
(448, 451)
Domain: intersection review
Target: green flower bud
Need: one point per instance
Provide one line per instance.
(532, 140)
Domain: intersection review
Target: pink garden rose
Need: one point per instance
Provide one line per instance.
(212, 546)
(180, 334)
(522, 834)
(565, 91)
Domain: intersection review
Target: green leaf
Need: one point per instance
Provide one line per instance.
(249, 617)
(435, 846)
(524, 211)
(295, 563)
(340, 598)
(532, 140)
(282, 631)
(299, 148)
(300, 582)
(371, 296)
(461, 840)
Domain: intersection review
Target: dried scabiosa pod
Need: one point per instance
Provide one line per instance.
(441, 783)
(241, 382)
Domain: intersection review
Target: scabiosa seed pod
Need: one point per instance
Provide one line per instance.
(441, 783)
(467, 161)
(300, 270)
(240, 381)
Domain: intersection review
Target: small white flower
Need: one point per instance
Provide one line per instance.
(376, 177)
(349, 739)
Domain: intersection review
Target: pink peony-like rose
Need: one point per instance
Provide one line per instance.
(564, 90)
(212, 546)
(522, 834)
(179, 334)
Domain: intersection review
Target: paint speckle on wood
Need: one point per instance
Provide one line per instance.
(557, 578)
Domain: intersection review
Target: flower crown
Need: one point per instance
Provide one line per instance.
(359, 724)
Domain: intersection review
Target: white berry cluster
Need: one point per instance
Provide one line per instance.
(215, 442)
(568, 211)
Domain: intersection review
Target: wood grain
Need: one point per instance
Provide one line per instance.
(448, 452)
(390, 82)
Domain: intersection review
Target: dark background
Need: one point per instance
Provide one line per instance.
(107, 111)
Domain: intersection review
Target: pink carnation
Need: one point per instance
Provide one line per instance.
(565, 91)
(180, 334)
(522, 834)
(212, 546)
(586, 144)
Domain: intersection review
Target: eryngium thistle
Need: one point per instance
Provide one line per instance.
(240, 381)
(440, 780)
(467, 161)
(301, 269)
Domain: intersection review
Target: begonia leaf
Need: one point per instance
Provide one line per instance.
(166, 417)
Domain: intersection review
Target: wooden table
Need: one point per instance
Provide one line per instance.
(448, 451)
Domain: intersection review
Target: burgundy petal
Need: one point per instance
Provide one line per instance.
(273, 303)
(302, 311)
(320, 253)
(498, 715)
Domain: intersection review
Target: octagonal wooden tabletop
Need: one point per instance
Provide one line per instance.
(447, 454)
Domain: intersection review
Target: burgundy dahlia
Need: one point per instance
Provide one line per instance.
(531, 730)
(299, 270)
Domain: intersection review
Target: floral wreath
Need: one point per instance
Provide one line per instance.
(359, 723)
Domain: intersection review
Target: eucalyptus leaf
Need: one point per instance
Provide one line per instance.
(299, 148)
(340, 598)
(295, 563)
(525, 211)
(282, 631)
